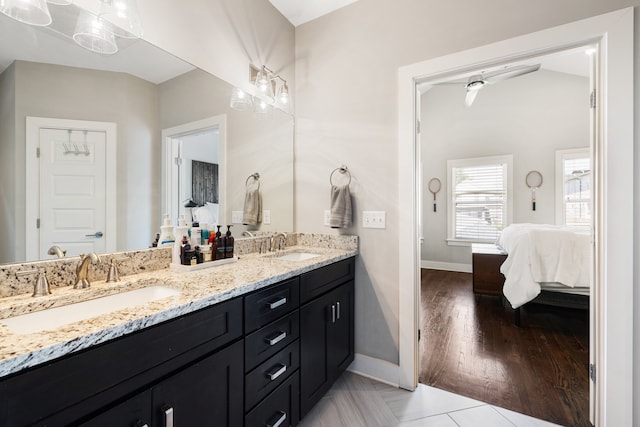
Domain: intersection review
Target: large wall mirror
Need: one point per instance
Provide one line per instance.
(120, 112)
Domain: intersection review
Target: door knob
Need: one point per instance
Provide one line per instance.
(97, 234)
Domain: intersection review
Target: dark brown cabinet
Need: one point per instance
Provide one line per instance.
(486, 262)
(326, 339)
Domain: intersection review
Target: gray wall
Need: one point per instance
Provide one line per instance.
(530, 117)
(7, 164)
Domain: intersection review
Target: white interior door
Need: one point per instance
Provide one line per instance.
(70, 174)
(72, 191)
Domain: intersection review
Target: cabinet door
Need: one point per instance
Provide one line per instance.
(133, 412)
(326, 343)
(208, 393)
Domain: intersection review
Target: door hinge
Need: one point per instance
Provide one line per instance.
(417, 126)
(38, 223)
(419, 334)
(38, 152)
(592, 372)
(592, 99)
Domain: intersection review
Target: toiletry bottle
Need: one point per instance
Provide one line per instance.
(166, 232)
(204, 231)
(228, 243)
(219, 242)
(184, 248)
(196, 235)
(181, 232)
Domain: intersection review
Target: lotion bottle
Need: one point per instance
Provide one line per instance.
(181, 231)
(228, 243)
(219, 243)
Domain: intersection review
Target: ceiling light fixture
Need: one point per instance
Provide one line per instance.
(124, 16)
(95, 34)
(32, 12)
(60, 2)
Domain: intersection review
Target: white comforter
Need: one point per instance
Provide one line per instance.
(539, 253)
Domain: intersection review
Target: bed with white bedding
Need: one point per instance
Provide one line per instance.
(544, 257)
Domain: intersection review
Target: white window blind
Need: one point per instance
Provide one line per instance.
(576, 172)
(479, 199)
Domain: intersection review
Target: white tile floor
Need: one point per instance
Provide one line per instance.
(356, 401)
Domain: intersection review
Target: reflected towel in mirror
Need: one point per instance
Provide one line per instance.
(252, 214)
(340, 214)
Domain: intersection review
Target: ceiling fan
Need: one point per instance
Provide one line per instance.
(479, 81)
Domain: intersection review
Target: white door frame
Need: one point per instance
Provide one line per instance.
(32, 170)
(613, 32)
(215, 122)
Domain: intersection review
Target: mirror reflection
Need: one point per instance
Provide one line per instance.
(128, 114)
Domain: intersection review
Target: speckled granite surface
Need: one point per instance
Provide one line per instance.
(198, 289)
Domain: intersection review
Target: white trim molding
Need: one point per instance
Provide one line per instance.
(613, 34)
(446, 266)
(376, 369)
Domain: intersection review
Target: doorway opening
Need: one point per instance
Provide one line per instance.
(482, 148)
(613, 154)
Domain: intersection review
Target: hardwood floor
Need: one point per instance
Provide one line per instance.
(471, 347)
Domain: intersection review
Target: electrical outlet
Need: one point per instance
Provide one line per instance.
(327, 215)
(374, 219)
(266, 217)
(236, 217)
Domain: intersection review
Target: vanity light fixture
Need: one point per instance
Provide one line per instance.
(124, 16)
(266, 84)
(60, 2)
(32, 12)
(95, 34)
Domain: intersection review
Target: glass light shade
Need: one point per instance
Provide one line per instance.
(283, 99)
(33, 12)
(60, 2)
(240, 100)
(124, 16)
(95, 34)
(262, 108)
(265, 87)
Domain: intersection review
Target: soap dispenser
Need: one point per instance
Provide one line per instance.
(219, 244)
(166, 232)
(228, 243)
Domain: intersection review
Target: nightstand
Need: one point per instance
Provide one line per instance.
(486, 261)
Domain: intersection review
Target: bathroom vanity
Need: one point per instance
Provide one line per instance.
(223, 353)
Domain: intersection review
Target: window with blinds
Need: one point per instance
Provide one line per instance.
(479, 198)
(575, 169)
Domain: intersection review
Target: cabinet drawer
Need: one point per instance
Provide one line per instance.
(317, 282)
(272, 372)
(101, 374)
(269, 304)
(280, 409)
(268, 340)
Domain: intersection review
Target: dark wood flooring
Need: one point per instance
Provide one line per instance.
(472, 347)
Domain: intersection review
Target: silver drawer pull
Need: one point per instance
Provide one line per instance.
(168, 417)
(277, 372)
(338, 310)
(278, 303)
(275, 340)
(282, 416)
(333, 313)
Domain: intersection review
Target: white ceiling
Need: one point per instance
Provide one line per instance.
(300, 11)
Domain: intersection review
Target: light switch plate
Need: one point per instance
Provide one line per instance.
(266, 217)
(236, 217)
(374, 219)
(327, 214)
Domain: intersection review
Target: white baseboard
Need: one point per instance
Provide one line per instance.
(448, 266)
(376, 369)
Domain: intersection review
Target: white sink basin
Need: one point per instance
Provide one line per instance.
(53, 318)
(297, 256)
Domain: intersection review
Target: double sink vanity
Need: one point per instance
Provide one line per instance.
(253, 343)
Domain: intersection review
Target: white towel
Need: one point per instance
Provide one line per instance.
(252, 214)
(340, 215)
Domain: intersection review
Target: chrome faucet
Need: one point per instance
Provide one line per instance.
(274, 241)
(247, 233)
(41, 286)
(82, 270)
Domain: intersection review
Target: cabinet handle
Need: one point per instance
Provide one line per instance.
(278, 303)
(276, 372)
(168, 417)
(338, 310)
(282, 416)
(333, 313)
(279, 337)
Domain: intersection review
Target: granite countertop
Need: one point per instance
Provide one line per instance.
(198, 289)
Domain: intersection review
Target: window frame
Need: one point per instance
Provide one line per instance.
(560, 208)
(507, 160)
